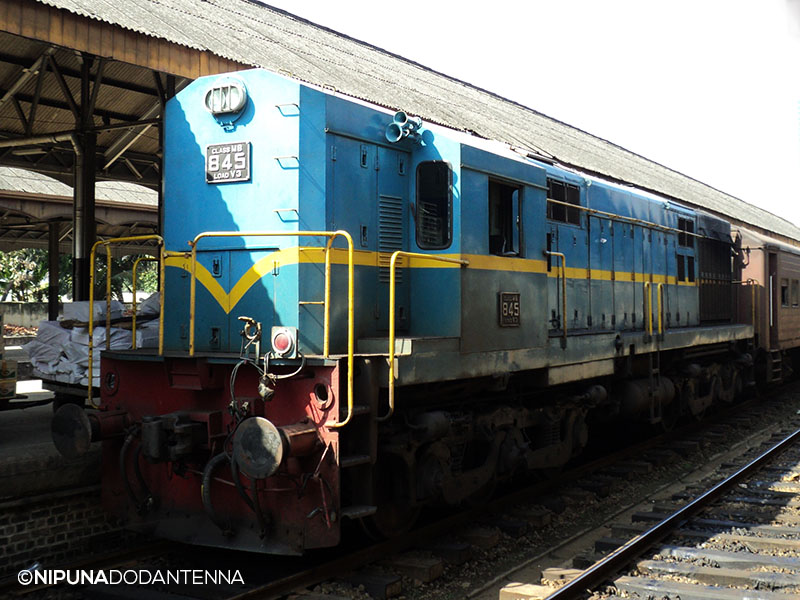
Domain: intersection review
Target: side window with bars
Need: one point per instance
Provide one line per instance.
(434, 214)
(685, 239)
(685, 251)
(559, 196)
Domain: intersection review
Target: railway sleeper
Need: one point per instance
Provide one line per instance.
(720, 524)
(742, 541)
(731, 560)
(654, 588)
(725, 576)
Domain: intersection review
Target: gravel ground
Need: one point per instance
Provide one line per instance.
(593, 512)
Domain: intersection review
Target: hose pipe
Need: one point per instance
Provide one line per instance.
(149, 501)
(123, 471)
(260, 518)
(205, 493)
(238, 483)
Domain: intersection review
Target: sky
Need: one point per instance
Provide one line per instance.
(709, 88)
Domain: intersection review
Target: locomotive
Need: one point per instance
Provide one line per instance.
(365, 314)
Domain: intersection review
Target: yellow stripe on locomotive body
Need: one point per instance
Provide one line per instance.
(308, 255)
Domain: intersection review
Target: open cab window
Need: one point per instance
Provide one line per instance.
(504, 219)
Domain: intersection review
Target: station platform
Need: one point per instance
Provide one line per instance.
(30, 465)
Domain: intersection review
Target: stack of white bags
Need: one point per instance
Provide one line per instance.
(62, 354)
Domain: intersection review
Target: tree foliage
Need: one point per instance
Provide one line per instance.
(24, 276)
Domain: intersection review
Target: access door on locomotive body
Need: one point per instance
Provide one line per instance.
(618, 250)
(368, 196)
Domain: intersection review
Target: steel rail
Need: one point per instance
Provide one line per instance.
(610, 565)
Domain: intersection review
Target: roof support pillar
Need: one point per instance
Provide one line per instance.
(54, 230)
(84, 232)
(83, 217)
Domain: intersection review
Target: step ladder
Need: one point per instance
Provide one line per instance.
(355, 463)
(775, 366)
(654, 383)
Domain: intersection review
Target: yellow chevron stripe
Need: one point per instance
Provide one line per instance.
(204, 277)
(365, 258)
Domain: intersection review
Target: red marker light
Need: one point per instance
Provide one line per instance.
(284, 341)
(281, 343)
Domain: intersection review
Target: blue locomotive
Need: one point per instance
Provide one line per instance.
(366, 314)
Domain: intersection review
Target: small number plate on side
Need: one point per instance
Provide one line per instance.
(228, 162)
(509, 309)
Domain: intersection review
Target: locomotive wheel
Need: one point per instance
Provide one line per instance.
(395, 515)
(670, 415)
(689, 397)
(391, 520)
(730, 385)
(483, 495)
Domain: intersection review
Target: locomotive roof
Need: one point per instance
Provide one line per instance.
(254, 34)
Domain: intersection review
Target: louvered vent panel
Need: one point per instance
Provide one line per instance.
(390, 235)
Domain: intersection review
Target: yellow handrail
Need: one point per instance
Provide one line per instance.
(331, 235)
(649, 292)
(108, 243)
(133, 304)
(563, 289)
(392, 297)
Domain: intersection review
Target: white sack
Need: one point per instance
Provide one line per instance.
(79, 311)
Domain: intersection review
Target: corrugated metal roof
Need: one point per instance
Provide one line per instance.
(254, 34)
(20, 180)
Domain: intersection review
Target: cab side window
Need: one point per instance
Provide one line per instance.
(504, 219)
(434, 214)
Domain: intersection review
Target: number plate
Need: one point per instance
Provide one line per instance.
(509, 309)
(228, 162)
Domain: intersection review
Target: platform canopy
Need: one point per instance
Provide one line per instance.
(32, 205)
(83, 84)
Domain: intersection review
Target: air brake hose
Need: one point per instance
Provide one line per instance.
(205, 492)
(149, 500)
(262, 522)
(238, 483)
(123, 471)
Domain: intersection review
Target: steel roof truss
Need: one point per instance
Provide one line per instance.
(65, 89)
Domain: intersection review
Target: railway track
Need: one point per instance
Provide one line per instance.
(432, 562)
(737, 540)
